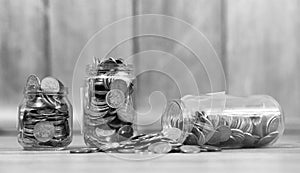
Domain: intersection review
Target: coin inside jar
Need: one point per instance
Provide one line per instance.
(115, 98)
(43, 131)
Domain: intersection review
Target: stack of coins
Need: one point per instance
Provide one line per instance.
(108, 111)
(45, 115)
(233, 130)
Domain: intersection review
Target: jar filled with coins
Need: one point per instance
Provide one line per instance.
(44, 115)
(108, 113)
(224, 121)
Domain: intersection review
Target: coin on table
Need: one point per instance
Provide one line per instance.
(126, 112)
(210, 148)
(44, 131)
(272, 124)
(172, 133)
(142, 146)
(190, 149)
(81, 150)
(119, 84)
(160, 147)
(124, 150)
(115, 98)
(32, 84)
(50, 84)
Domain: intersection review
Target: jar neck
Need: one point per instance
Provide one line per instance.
(37, 93)
(177, 116)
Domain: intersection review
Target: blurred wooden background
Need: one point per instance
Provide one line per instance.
(257, 42)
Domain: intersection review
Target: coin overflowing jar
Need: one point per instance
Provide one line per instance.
(108, 110)
(44, 115)
(224, 121)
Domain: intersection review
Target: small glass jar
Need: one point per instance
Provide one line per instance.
(45, 121)
(108, 113)
(225, 121)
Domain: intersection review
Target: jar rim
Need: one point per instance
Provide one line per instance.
(176, 107)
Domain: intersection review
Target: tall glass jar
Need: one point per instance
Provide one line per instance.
(108, 113)
(45, 120)
(225, 121)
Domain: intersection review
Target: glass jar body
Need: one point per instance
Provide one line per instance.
(45, 121)
(226, 121)
(108, 113)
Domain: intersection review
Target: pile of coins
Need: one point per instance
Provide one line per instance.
(45, 116)
(108, 105)
(155, 143)
(232, 130)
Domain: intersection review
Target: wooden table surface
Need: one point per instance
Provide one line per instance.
(283, 156)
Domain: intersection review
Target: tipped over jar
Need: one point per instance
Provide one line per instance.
(108, 113)
(225, 121)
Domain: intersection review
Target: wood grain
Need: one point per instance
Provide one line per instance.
(283, 156)
(74, 22)
(167, 54)
(22, 47)
(263, 51)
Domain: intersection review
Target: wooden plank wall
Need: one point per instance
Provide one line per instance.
(263, 54)
(256, 41)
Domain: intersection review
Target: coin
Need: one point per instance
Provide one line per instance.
(172, 133)
(98, 121)
(268, 139)
(98, 108)
(225, 133)
(115, 98)
(230, 143)
(160, 147)
(117, 123)
(257, 126)
(126, 131)
(190, 149)
(94, 114)
(201, 139)
(124, 150)
(38, 102)
(119, 84)
(249, 140)
(272, 124)
(126, 112)
(210, 148)
(104, 130)
(215, 139)
(44, 131)
(32, 84)
(108, 63)
(191, 139)
(50, 84)
(81, 150)
(142, 146)
(238, 135)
